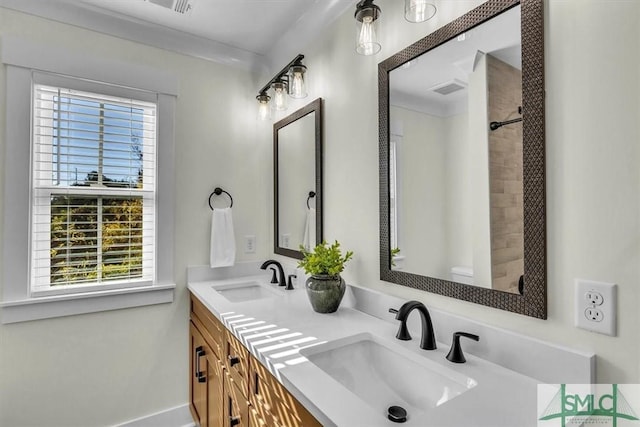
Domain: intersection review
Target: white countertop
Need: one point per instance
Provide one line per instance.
(274, 330)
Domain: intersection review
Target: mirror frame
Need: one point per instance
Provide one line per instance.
(313, 107)
(533, 301)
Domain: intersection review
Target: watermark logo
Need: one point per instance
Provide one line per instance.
(592, 405)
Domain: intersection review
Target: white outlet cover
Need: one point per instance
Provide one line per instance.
(250, 244)
(605, 305)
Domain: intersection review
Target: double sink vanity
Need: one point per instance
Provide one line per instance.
(273, 361)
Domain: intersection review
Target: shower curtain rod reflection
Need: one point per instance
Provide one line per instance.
(498, 125)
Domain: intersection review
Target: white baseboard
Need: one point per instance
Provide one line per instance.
(180, 416)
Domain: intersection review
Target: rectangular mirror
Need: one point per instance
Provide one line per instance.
(457, 184)
(462, 160)
(297, 154)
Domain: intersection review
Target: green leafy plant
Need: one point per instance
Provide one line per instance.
(324, 259)
(394, 252)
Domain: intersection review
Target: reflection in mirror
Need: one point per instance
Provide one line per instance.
(456, 185)
(462, 173)
(298, 180)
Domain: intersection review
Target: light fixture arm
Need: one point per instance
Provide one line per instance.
(282, 74)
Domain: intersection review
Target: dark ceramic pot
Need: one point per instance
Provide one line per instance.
(325, 292)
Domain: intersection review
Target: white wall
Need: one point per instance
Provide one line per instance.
(592, 63)
(422, 214)
(479, 150)
(106, 368)
(460, 211)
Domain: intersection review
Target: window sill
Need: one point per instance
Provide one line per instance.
(67, 305)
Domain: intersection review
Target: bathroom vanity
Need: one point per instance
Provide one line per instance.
(228, 386)
(261, 356)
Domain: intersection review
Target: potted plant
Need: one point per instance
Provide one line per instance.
(324, 264)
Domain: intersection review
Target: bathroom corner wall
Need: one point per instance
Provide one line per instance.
(592, 64)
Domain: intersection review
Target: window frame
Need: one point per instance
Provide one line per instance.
(21, 59)
(44, 191)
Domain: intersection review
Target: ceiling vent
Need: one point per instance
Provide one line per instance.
(449, 87)
(180, 6)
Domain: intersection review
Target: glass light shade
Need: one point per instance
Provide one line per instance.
(298, 87)
(264, 112)
(418, 10)
(367, 28)
(279, 95)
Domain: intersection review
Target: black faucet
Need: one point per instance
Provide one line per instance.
(428, 341)
(455, 353)
(281, 278)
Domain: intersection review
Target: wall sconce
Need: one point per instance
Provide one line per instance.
(289, 81)
(264, 112)
(418, 10)
(280, 92)
(366, 16)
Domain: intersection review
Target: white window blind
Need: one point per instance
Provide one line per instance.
(93, 191)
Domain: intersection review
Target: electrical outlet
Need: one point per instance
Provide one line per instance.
(286, 239)
(594, 298)
(593, 314)
(595, 306)
(249, 244)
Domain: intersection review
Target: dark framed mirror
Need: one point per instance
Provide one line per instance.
(297, 176)
(462, 160)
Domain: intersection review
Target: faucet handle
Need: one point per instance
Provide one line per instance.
(403, 332)
(455, 353)
(289, 283)
(274, 278)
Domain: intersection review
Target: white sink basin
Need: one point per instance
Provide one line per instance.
(384, 375)
(245, 291)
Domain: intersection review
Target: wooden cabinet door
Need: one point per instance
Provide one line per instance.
(236, 406)
(215, 391)
(206, 382)
(197, 377)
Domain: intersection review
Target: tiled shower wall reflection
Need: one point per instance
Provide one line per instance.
(506, 188)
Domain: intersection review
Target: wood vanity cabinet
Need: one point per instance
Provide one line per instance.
(228, 387)
(206, 375)
(273, 403)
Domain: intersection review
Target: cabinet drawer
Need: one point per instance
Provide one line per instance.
(212, 328)
(236, 406)
(236, 360)
(270, 399)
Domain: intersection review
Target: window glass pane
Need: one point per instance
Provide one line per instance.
(78, 224)
(96, 142)
(74, 239)
(121, 238)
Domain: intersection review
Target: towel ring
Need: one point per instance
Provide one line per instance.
(311, 195)
(218, 191)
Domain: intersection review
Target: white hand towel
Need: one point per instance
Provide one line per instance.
(223, 243)
(309, 239)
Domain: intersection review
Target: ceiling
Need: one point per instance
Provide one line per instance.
(247, 33)
(412, 85)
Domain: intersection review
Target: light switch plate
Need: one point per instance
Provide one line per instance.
(596, 306)
(250, 244)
